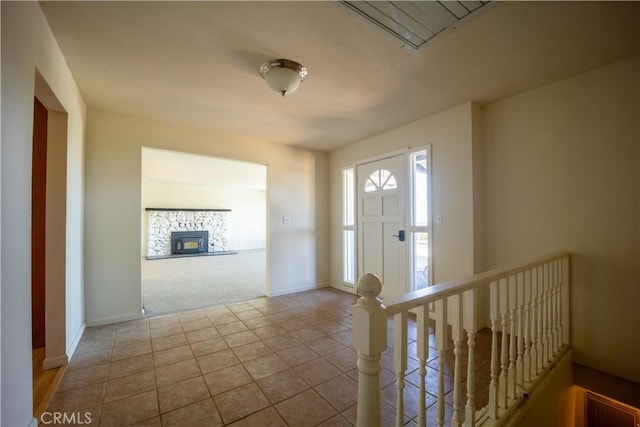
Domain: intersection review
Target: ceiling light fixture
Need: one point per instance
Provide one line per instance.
(283, 75)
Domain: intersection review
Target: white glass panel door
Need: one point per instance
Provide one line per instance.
(382, 247)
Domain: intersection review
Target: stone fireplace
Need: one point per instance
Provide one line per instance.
(194, 223)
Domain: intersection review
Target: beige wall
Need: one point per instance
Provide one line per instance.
(28, 47)
(561, 172)
(451, 136)
(297, 186)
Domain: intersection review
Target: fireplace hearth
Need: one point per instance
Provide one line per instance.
(189, 242)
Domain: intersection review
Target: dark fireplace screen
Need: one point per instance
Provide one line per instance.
(189, 242)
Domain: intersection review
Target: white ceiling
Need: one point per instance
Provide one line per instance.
(197, 63)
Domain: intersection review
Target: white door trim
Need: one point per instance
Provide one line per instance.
(409, 194)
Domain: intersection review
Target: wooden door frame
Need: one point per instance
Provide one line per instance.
(38, 224)
(55, 241)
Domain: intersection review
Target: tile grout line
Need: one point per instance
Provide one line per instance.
(311, 332)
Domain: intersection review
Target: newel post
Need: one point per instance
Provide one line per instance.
(369, 340)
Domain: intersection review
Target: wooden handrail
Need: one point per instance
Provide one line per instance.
(396, 304)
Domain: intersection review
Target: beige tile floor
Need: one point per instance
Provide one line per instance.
(283, 361)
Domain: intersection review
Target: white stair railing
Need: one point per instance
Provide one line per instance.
(528, 317)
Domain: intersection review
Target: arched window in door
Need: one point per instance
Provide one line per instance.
(381, 179)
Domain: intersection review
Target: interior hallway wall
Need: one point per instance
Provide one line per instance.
(562, 172)
(28, 48)
(297, 187)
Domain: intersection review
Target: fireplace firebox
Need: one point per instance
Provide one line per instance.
(189, 242)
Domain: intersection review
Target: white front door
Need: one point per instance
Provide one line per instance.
(382, 245)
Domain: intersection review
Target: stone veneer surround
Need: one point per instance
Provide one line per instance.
(162, 221)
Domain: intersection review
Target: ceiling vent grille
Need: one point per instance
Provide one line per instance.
(414, 23)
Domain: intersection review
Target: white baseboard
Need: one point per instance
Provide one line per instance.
(55, 361)
(116, 319)
(76, 340)
(345, 288)
(297, 289)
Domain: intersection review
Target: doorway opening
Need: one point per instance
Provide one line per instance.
(204, 235)
(48, 243)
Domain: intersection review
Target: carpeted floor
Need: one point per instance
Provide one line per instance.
(177, 284)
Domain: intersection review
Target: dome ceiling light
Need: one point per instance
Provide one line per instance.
(283, 75)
